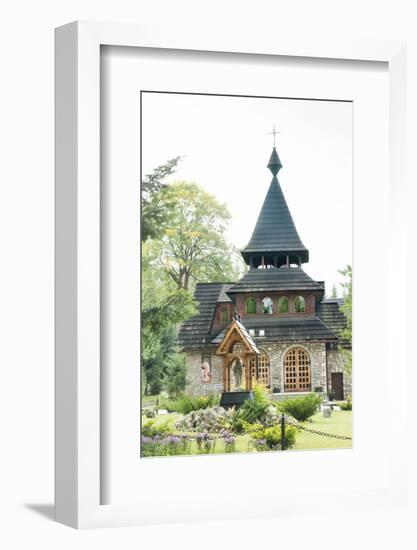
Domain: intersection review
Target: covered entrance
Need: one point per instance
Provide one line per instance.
(239, 353)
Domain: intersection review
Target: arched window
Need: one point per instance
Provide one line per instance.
(299, 304)
(250, 306)
(263, 369)
(283, 305)
(267, 306)
(297, 370)
(224, 314)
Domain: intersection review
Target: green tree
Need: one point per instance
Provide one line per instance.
(153, 212)
(192, 247)
(333, 294)
(346, 333)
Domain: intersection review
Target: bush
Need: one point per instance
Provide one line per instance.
(214, 419)
(257, 410)
(151, 428)
(184, 404)
(345, 405)
(301, 408)
(269, 438)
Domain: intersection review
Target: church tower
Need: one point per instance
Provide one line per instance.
(275, 241)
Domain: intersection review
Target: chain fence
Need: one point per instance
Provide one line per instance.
(290, 422)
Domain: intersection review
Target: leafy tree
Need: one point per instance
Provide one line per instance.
(347, 310)
(192, 247)
(153, 213)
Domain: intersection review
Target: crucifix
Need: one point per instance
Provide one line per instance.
(274, 133)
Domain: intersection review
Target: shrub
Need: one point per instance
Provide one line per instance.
(151, 428)
(149, 413)
(270, 438)
(301, 408)
(214, 419)
(185, 404)
(345, 405)
(257, 410)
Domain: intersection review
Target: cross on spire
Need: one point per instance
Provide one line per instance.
(274, 133)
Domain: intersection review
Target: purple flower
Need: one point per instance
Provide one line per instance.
(203, 437)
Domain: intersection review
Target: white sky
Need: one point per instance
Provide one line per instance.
(226, 147)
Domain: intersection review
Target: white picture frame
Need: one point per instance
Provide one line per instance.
(78, 405)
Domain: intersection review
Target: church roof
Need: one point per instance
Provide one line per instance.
(275, 231)
(277, 279)
(333, 317)
(236, 328)
(196, 330)
(197, 333)
(286, 329)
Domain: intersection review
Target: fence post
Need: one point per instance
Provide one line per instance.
(283, 442)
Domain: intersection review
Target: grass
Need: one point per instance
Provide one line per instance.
(149, 400)
(339, 423)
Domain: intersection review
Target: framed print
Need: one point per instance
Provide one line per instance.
(222, 211)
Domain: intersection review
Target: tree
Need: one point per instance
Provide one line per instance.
(346, 333)
(192, 248)
(333, 294)
(153, 214)
(163, 306)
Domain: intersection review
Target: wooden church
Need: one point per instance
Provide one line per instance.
(273, 326)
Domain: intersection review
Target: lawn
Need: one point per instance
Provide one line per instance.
(339, 423)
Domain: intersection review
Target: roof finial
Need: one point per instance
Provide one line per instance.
(274, 133)
(274, 163)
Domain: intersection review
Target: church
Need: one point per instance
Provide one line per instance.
(273, 326)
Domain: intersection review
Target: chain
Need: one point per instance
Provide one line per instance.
(301, 427)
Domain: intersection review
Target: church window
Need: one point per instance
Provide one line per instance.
(224, 313)
(297, 370)
(251, 306)
(283, 305)
(267, 305)
(299, 304)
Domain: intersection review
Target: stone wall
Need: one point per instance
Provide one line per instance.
(336, 363)
(194, 384)
(275, 352)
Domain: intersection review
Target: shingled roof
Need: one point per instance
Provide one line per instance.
(286, 329)
(333, 317)
(195, 332)
(283, 278)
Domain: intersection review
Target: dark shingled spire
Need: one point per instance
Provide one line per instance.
(275, 234)
(274, 163)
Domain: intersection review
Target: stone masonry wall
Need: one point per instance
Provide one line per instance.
(336, 363)
(194, 384)
(276, 353)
